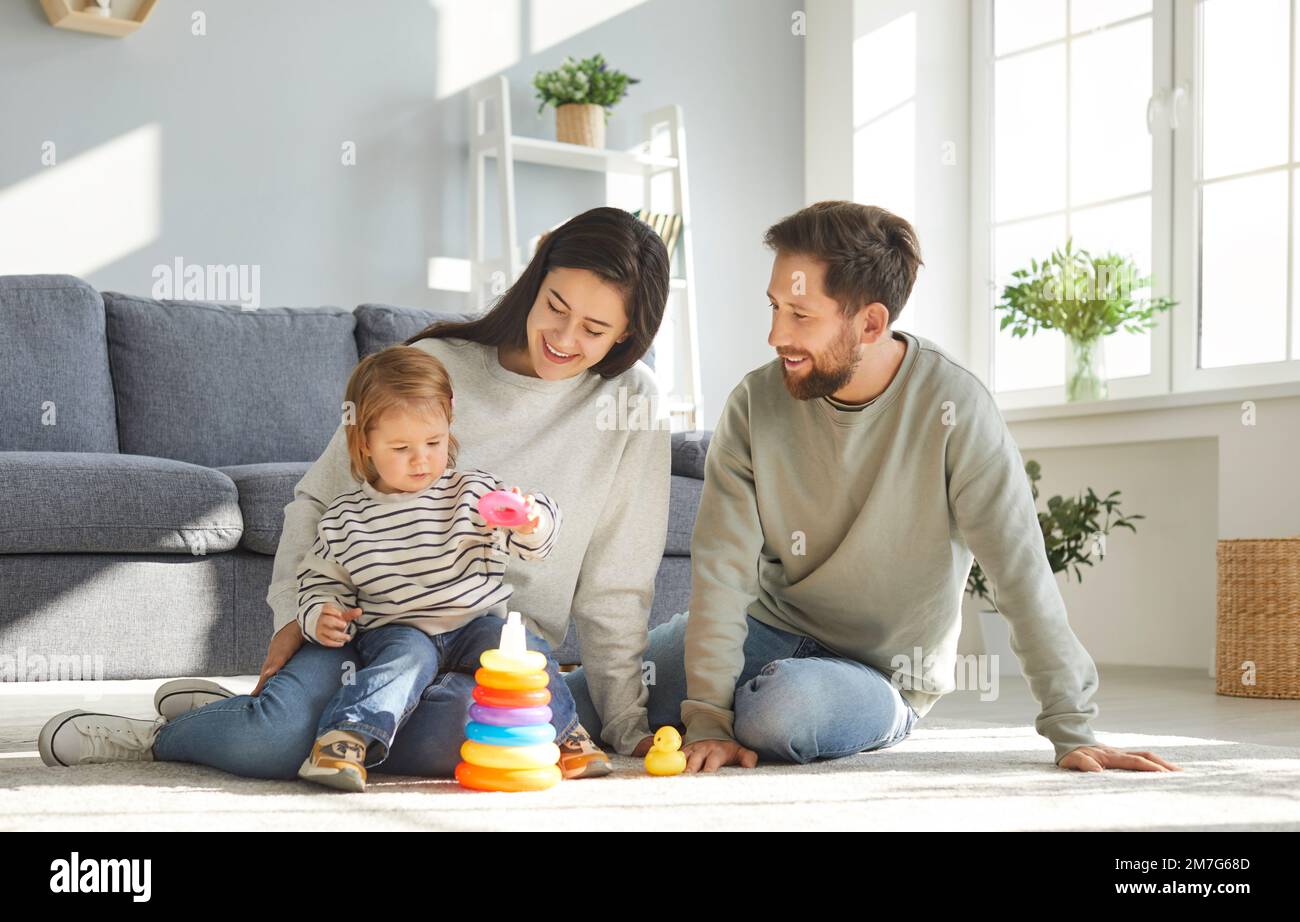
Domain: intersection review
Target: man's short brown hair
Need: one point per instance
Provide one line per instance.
(871, 254)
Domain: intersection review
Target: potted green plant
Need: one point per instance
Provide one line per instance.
(1087, 298)
(582, 93)
(1074, 532)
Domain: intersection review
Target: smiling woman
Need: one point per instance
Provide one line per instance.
(592, 297)
(532, 378)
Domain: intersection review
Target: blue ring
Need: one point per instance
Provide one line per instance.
(530, 735)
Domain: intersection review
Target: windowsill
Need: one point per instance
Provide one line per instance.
(1233, 395)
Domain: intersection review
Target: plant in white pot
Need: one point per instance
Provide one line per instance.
(582, 93)
(1073, 532)
(1087, 298)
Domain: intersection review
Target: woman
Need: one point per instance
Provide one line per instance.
(535, 378)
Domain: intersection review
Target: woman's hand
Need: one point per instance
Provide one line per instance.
(284, 645)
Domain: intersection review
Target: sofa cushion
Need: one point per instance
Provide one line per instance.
(264, 491)
(381, 325)
(72, 502)
(689, 449)
(58, 395)
(216, 385)
(683, 503)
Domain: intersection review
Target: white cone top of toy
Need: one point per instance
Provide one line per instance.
(514, 642)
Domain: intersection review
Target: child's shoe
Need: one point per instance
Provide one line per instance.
(337, 760)
(580, 757)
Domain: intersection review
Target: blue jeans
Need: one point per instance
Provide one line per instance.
(270, 735)
(795, 700)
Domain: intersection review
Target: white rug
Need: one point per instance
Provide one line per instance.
(949, 775)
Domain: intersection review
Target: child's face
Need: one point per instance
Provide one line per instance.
(409, 451)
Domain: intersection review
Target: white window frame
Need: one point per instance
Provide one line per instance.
(1175, 196)
(1186, 221)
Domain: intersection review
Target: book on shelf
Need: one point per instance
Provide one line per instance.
(667, 226)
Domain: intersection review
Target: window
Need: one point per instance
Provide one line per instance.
(1234, 221)
(1163, 131)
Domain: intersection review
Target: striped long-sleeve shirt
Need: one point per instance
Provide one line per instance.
(425, 559)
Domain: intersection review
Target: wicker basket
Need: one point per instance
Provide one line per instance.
(580, 123)
(1258, 618)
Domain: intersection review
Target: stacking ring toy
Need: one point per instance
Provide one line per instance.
(509, 717)
(532, 735)
(512, 681)
(498, 779)
(537, 756)
(502, 508)
(499, 698)
(530, 661)
(509, 741)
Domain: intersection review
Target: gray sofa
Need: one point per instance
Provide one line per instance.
(147, 451)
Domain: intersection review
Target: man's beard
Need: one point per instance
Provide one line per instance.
(827, 372)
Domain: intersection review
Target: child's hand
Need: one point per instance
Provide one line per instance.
(332, 625)
(534, 520)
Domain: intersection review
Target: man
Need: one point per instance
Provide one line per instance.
(846, 486)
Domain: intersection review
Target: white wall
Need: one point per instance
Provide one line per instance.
(887, 123)
(1199, 473)
(225, 148)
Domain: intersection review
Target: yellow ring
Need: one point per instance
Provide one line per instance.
(539, 756)
(512, 681)
(531, 661)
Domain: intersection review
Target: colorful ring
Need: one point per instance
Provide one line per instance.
(531, 661)
(512, 681)
(510, 717)
(502, 508)
(497, 698)
(479, 778)
(538, 756)
(531, 735)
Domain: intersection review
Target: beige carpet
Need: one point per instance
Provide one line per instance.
(950, 775)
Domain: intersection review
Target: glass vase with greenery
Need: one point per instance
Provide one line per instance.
(1087, 298)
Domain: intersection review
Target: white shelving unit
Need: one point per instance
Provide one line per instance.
(659, 162)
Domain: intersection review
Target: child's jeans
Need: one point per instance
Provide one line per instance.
(397, 663)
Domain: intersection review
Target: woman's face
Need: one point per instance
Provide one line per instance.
(408, 450)
(577, 318)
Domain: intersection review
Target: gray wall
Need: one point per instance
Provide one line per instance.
(251, 116)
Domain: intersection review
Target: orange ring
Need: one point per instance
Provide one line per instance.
(497, 698)
(512, 681)
(478, 778)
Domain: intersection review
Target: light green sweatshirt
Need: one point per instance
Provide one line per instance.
(856, 528)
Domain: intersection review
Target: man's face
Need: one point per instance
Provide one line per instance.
(819, 348)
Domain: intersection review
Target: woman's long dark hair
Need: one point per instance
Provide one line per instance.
(619, 248)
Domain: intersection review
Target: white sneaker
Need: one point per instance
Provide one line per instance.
(180, 696)
(84, 737)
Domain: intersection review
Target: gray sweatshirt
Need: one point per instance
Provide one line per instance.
(611, 480)
(856, 528)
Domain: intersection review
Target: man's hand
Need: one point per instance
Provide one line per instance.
(1098, 758)
(644, 746)
(710, 755)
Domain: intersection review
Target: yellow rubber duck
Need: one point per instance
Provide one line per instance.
(665, 756)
